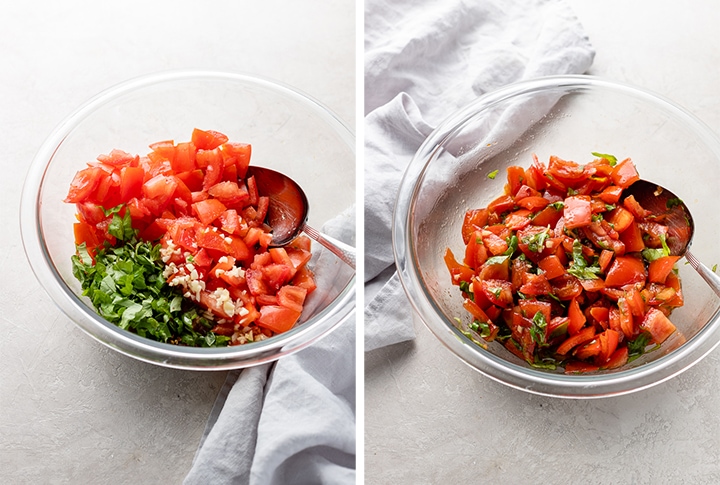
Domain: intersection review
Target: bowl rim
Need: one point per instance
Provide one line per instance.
(131, 344)
(581, 386)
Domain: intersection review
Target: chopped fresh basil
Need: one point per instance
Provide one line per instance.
(538, 328)
(609, 158)
(651, 254)
(496, 259)
(127, 287)
(536, 242)
(579, 267)
(671, 203)
(559, 205)
(493, 174)
(638, 347)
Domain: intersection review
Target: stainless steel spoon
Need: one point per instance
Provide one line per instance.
(288, 212)
(677, 217)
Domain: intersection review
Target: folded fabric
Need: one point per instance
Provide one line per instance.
(292, 421)
(423, 61)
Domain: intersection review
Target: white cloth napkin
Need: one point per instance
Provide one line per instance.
(423, 61)
(291, 422)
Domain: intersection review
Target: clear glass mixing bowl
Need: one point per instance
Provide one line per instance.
(289, 132)
(567, 116)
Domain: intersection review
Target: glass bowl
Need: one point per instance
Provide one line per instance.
(288, 131)
(567, 116)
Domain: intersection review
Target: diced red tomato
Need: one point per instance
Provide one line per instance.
(521, 257)
(660, 268)
(208, 210)
(207, 139)
(625, 174)
(625, 270)
(278, 318)
(84, 183)
(195, 199)
(577, 211)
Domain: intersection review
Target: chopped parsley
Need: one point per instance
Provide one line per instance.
(493, 174)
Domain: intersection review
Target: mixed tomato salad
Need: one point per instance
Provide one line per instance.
(173, 245)
(567, 269)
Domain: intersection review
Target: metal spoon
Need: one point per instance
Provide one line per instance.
(677, 217)
(288, 212)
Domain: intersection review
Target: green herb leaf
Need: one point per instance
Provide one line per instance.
(126, 286)
(579, 267)
(536, 242)
(651, 254)
(493, 174)
(497, 259)
(671, 203)
(538, 328)
(559, 205)
(609, 158)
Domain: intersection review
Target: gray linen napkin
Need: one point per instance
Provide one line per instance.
(423, 61)
(291, 422)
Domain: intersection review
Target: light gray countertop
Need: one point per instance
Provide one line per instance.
(71, 410)
(431, 419)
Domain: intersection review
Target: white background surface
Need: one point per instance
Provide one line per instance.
(431, 419)
(71, 410)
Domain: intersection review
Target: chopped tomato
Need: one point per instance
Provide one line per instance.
(625, 270)
(195, 199)
(566, 242)
(577, 212)
(84, 183)
(277, 318)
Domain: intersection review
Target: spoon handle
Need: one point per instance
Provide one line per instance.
(343, 251)
(711, 278)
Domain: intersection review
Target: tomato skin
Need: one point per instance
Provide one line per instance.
(473, 220)
(659, 326)
(625, 174)
(625, 270)
(277, 318)
(515, 178)
(237, 155)
(131, 182)
(208, 210)
(659, 269)
(620, 218)
(585, 335)
(292, 297)
(552, 266)
(83, 184)
(632, 238)
(577, 211)
(576, 317)
(207, 139)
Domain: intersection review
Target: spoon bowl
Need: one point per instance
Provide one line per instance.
(670, 210)
(288, 212)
